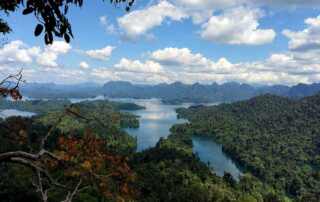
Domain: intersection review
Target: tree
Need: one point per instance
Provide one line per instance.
(51, 15)
(83, 162)
(9, 86)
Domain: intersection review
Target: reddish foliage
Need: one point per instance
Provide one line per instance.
(13, 93)
(88, 158)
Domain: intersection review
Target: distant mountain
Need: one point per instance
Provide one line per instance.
(178, 92)
(52, 90)
(303, 90)
(199, 93)
(173, 93)
(280, 90)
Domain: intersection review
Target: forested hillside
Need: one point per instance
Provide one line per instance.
(168, 172)
(274, 138)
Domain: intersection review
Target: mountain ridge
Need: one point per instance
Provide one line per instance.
(176, 92)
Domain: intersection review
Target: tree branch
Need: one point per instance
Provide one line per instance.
(36, 168)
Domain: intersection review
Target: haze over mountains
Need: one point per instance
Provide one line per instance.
(170, 93)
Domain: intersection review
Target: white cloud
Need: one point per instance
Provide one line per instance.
(138, 22)
(104, 74)
(306, 39)
(110, 28)
(201, 10)
(181, 64)
(237, 26)
(143, 78)
(84, 65)
(48, 57)
(101, 54)
(183, 56)
(126, 65)
(18, 52)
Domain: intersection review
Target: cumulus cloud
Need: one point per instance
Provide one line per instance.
(237, 26)
(51, 52)
(84, 65)
(176, 56)
(18, 52)
(138, 22)
(191, 62)
(101, 54)
(201, 10)
(144, 77)
(126, 65)
(181, 64)
(306, 39)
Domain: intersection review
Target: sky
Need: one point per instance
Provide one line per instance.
(163, 41)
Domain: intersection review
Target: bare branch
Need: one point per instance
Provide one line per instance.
(71, 195)
(43, 141)
(37, 168)
(25, 155)
(10, 86)
(18, 154)
(44, 193)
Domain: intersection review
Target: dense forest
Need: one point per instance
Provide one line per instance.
(274, 138)
(86, 138)
(168, 172)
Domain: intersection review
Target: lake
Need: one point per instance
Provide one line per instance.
(156, 121)
(210, 152)
(13, 112)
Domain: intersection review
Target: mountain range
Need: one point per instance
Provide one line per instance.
(169, 93)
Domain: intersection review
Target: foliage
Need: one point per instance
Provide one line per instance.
(81, 163)
(171, 172)
(274, 138)
(9, 86)
(93, 162)
(51, 16)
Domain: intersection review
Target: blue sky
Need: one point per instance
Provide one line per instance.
(206, 41)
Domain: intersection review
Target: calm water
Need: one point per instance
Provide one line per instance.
(12, 112)
(210, 152)
(156, 121)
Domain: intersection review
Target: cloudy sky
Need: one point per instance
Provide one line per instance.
(206, 41)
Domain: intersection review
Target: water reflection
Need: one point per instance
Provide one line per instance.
(211, 152)
(155, 121)
(77, 100)
(13, 112)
